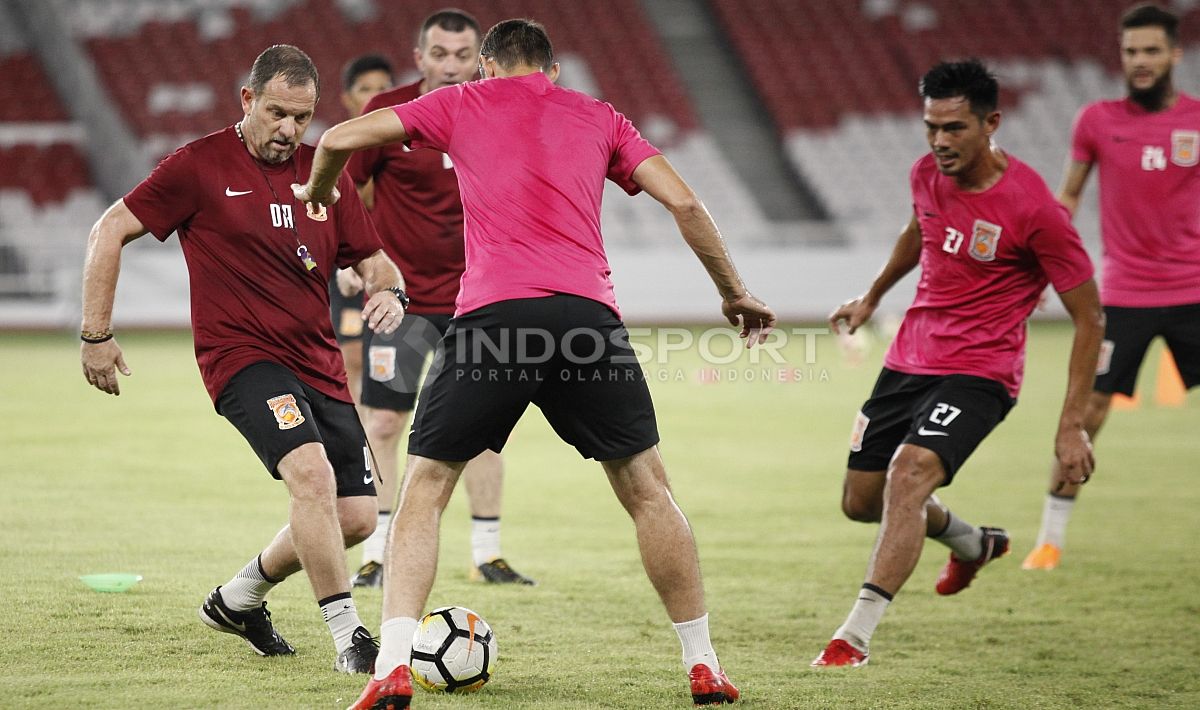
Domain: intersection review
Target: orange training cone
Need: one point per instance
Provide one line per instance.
(1169, 390)
(1121, 402)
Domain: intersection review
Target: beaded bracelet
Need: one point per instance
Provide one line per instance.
(96, 336)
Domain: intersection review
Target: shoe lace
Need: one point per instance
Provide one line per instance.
(260, 621)
(365, 642)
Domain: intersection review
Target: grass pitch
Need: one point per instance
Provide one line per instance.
(154, 482)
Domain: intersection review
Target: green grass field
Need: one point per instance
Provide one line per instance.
(154, 482)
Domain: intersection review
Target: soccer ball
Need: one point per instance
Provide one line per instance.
(454, 651)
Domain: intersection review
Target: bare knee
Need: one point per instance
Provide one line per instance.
(358, 518)
(428, 485)
(862, 495)
(914, 474)
(1096, 412)
(640, 482)
(862, 509)
(308, 474)
(384, 425)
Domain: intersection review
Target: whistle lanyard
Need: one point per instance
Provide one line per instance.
(301, 249)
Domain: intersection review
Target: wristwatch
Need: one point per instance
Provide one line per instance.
(401, 295)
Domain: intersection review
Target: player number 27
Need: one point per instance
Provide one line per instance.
(944, 414)
(954, 240)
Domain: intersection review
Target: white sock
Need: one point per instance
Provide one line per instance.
(395, 645)
(964, 539)
(373, 546)
(864, 617)
(485, 539)
(248, 587)
(342, 618)
(697, 646)
(1055, 515)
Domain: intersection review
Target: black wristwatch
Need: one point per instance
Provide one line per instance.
(400, 294)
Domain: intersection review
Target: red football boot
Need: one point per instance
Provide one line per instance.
(957, 574)
(840, 653)
(392, 693)
(710, 688)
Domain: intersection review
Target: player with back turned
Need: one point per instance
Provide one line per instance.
(988, 236)
(531, 160)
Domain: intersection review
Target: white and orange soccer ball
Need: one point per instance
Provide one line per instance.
(454, 651)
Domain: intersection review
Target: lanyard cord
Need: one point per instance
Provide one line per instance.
(301, 250)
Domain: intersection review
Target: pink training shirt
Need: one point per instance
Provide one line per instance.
(986, 257)
(531, 160)
(1149, 199)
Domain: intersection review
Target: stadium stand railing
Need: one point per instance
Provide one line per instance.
(44, 185)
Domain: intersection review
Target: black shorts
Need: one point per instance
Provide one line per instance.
(568, 355)
(277, 413)
(392, 364)
(1127, 336)
(947, 414)
(346, 313)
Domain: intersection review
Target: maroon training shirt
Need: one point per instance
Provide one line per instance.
(252, 297)
(417, 212)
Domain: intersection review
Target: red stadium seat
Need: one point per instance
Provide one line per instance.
(872, 65)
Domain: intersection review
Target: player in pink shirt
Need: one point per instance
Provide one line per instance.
(989, 237)
(536, 321)
(419, 216)
(259, 264)
(1147, 148)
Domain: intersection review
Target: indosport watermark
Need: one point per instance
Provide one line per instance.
(714, 355)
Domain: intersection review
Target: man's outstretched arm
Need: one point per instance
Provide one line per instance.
(906, 255)
(374, 129)
(659, 179)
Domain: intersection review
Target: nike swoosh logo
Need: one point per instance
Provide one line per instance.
(230, 192)
(231, 622)
(928, 432)
(368, 479)
(471, 619)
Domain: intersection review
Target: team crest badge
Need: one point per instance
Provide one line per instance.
(383, 363)
(351, 322)
(985, 237)
(1185, 148)
(286, 411)
(1104, 362)
(317, 213)
(861, 422)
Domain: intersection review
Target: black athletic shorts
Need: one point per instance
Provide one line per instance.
(277, 413)
(1127, 336)
(346, 313)
(568, 355)
(392, 363)
(947, 414)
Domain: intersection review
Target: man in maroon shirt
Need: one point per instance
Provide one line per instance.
(259, 264)
(989, 237)
(419, 216)
(362, 78)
